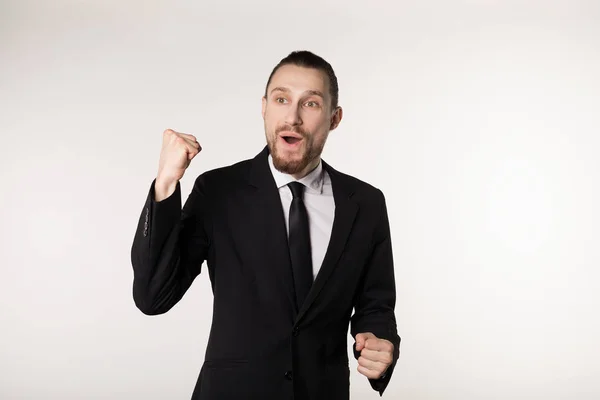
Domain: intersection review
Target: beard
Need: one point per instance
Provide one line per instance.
(287, 165)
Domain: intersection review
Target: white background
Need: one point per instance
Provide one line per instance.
(478, 119)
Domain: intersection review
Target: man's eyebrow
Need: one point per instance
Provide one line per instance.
(286, 90)
(279, 89)
(316, 93)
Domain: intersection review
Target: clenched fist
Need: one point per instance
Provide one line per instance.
(376, 355)
(178, 150)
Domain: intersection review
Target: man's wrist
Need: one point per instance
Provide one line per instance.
(164, 189)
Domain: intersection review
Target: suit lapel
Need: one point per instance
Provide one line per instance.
(345, 213)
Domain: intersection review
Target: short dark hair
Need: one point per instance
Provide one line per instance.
(307, 59)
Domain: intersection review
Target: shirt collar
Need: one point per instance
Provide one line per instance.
(313, 181)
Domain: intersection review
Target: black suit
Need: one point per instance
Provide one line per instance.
(260, 346)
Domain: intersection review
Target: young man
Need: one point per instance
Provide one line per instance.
(292, 246)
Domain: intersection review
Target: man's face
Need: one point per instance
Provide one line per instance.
(298, 116)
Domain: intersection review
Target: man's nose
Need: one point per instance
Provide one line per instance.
(293, 116)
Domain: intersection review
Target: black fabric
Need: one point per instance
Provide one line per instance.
(299, 243)
(261, 347)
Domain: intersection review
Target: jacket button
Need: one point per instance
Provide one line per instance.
(288, 375)
(296, 331)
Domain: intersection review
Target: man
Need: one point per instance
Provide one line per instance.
(292, 246)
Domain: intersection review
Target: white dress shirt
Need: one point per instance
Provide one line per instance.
(320, 207)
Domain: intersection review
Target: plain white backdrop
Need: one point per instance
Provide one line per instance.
(478, 119)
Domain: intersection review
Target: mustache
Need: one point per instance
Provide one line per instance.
(289, 128)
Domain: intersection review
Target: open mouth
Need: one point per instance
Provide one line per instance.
(291, 138)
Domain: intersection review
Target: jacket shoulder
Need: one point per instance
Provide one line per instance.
(363, 191)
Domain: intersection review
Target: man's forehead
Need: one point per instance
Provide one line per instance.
(296, 78)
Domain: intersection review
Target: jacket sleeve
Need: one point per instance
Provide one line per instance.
(169, 247)
(376, 299)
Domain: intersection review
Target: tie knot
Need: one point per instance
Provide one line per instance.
(297, 189)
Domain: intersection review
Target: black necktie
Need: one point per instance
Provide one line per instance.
(299, 241)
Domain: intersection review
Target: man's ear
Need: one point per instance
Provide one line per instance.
(336, 118)
(264, 106)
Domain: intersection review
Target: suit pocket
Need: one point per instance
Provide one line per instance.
(225, 363)
(226, 379)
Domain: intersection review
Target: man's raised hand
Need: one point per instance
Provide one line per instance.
(178, 150)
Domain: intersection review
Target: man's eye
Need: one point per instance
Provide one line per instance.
(280, 100)
(312, 104)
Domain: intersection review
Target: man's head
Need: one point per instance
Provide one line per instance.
(299, 109)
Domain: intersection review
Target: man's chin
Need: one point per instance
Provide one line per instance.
(289, 165)
(288, 161)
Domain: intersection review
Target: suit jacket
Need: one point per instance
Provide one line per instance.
(260, 346)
